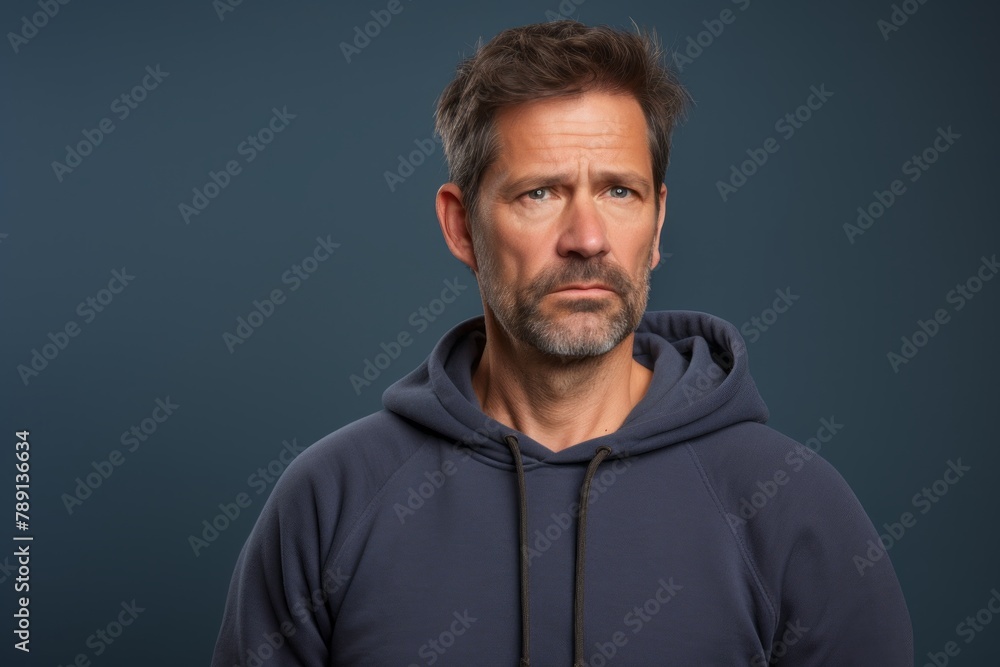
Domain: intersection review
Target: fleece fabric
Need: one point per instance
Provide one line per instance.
(429, 534)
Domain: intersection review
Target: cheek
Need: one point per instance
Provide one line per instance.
(521, 256)
(634, 253)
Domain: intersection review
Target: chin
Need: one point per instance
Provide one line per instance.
(577, 341)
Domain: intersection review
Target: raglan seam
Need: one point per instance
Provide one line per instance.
(744, 548)
(354, 524)
(369, 509)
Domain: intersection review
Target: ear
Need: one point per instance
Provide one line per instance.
(453, 219)
(654, 262)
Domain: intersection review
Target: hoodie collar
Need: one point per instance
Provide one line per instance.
(701, 383)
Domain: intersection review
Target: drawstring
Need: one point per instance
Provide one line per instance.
(581, 544)
(522, 503)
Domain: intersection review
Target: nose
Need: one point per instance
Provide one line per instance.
(583, 231)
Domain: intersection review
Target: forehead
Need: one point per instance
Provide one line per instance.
(595, 126)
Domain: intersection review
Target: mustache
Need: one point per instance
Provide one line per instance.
(583, 271)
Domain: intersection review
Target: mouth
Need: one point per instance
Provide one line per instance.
(585, 289)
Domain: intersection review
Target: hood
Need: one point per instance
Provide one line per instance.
(701, 383)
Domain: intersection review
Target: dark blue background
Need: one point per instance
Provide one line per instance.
(324, 176)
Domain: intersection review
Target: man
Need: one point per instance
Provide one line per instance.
(565, 480)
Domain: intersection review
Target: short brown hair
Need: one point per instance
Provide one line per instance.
(558, 58)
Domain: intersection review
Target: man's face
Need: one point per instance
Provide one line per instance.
(568, 231)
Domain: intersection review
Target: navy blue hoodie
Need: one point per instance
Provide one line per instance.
(429, 534)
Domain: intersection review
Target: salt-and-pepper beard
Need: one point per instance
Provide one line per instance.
(520, 315)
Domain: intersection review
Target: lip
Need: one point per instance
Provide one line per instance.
(583, 288)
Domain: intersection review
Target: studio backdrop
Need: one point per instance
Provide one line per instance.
(218, 244)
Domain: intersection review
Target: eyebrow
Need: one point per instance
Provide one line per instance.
(545, 179)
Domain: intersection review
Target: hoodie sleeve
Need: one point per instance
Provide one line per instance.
(832, 588)
(276, 612)
(836, 606)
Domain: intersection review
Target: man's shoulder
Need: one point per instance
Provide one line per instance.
(369, 449)
(752, 457)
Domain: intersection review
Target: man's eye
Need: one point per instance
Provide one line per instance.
(537, 193)
(619, 192)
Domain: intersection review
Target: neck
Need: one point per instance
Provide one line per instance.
(555, 401)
